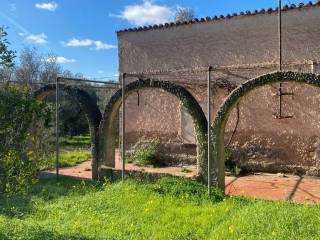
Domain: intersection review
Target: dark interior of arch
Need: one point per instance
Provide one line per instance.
(218, 128)
(107, 138)
(88, 106)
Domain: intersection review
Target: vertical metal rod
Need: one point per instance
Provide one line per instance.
(209, 126)
(313, 67)
(280, 33)
(123, 149)
(280, 53)
(57, 128)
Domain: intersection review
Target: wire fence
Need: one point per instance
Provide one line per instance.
(210, 87)
(141, 113)
(283, 102)
(68, 135)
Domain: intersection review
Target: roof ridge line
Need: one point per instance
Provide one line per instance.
(221, 17)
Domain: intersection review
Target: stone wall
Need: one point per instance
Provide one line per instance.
(243, 47)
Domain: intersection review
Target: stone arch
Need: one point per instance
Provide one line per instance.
(107, 138)
(88, 106)
(218, 127)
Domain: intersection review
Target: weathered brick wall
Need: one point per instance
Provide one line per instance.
(261, 138)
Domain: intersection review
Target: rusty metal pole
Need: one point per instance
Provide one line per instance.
(57, 128)
(280, 53)
(209, 126)
(123, 149)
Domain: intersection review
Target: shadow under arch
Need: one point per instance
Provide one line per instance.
(88, 106)
(218, 128)
(107, 138)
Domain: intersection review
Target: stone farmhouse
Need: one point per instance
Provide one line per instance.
(238, 47)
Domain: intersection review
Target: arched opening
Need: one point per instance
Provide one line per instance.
(218, 129)
(107, 137)
(87, 105)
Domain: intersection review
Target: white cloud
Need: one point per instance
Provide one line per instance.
(100, 71)
(146, 13)
(50, 6)
(37, 38)
(60, 59)
(97, 44)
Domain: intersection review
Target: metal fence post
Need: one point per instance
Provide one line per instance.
(123, 149)
(57, 128)
(313, 66)
(209, 126)
(280, 54)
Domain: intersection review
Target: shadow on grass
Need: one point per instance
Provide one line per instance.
(40, 234)
(18, 205)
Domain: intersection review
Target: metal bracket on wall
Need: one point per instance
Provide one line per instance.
(138, 95)
(281, 94)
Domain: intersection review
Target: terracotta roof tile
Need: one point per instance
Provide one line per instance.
(216, 18)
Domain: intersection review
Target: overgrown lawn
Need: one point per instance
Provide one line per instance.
(170, 209)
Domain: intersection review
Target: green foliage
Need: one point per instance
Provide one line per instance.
(147, 154)
(76, 141)
(187, 189)
(231, 164)
(71, 157)
(6, 56)
(72, 117)
(19, 160)
(186, 170)
(71, 209)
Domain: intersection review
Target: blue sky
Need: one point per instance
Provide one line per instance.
(82, 32)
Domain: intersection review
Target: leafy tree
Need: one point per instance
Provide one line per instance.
(19, 159)
(6, 56)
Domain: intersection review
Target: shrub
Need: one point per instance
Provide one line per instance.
(231, 164)
(19, 159)
(147, 154)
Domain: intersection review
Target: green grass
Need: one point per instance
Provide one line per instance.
(76, 141)
(73, 150)
(70, 157)
(74, 157)
(170, 209)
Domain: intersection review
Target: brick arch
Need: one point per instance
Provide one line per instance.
(218, 128)
(107, 138)
(88, 106)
